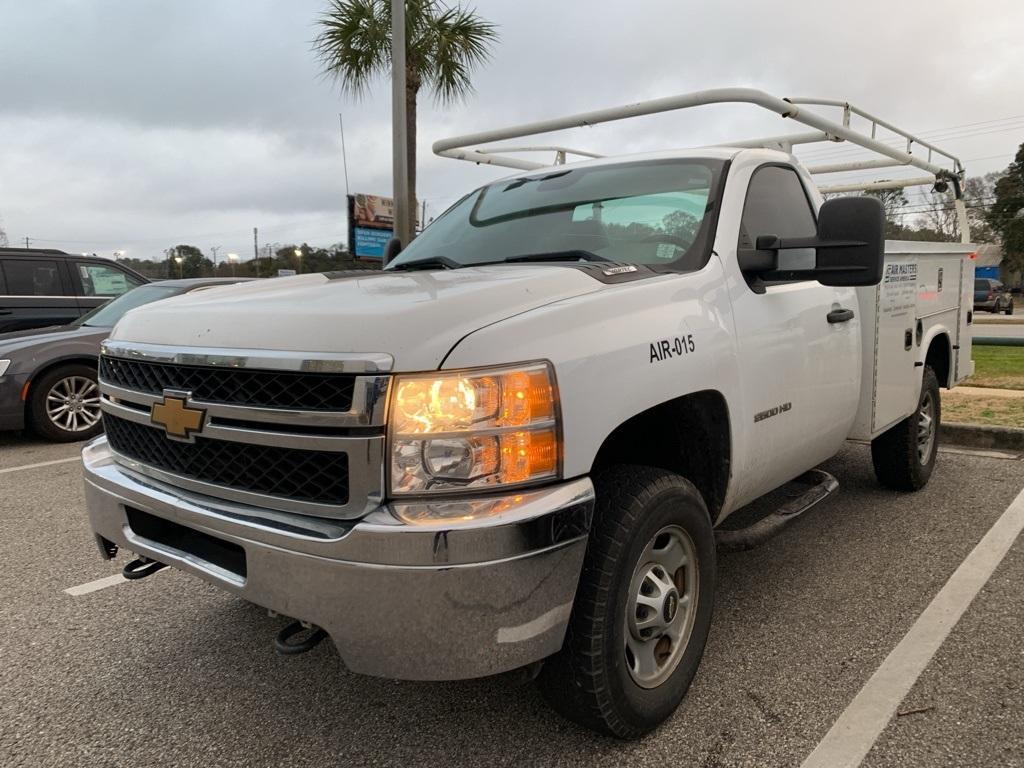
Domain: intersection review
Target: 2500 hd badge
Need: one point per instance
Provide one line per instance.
(666, 349)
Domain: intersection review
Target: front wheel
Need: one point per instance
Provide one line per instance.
(1009, 308)
(904, 455)
(643, 607)
(64, 404)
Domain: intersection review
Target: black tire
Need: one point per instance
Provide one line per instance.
(40, 420)
(895, 453)
(589, 681)
(1009, 308)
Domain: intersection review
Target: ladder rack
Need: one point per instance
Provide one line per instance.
(940, 165)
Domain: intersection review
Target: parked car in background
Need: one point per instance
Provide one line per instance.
(48, 376)
(992, 295)
(42, 286)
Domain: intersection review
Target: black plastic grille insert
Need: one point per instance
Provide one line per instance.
(295, 390)
(289, 473)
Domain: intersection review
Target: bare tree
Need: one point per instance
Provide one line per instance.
(936, 213)
(938, 216)
(893, 202)
(3, 235)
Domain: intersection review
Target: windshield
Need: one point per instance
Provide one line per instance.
(107, 315)
(650, 212)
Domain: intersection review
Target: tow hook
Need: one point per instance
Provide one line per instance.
(141, 568)
(284, 644)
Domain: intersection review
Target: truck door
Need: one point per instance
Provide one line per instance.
(798, 344)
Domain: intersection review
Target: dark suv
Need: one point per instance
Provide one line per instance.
(992, 295)
(41, 287)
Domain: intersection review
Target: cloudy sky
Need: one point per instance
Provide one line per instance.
(142, 124)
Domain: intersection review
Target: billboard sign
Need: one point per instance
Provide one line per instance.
(371, 224)
(371, 221)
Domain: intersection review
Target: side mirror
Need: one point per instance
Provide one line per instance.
(849, 246)
(851, 241)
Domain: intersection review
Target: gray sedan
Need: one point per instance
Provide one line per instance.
(48, 375)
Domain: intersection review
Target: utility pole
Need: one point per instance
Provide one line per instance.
(214, 249)
(399, 136)
(256, 250)
(26, 243)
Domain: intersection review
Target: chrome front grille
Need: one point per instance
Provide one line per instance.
(264, 389)
(287, 473)
(288, 431)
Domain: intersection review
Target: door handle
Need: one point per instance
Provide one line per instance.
(840, 315)
(6, 311)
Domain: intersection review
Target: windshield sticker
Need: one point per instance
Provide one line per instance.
(666, 349)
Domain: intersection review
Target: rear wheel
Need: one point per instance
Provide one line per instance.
(643, 607)
(904, 456)
(64, 404)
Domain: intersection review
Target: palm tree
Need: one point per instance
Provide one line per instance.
(443, 45)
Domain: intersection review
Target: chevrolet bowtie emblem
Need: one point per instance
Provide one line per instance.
(175, 416)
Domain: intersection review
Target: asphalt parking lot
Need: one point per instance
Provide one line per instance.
(170, 671)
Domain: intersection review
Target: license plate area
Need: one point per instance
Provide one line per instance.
(192, 544)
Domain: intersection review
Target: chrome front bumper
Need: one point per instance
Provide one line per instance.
(417, 602)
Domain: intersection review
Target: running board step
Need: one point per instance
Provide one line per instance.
(820, 486)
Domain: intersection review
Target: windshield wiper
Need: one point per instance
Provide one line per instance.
(433, 262)
(443, 262)
(574, 255)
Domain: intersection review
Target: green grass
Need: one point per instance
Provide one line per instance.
(974, 409)
(1000, 367)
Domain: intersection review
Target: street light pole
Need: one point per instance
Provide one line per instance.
(399, 136)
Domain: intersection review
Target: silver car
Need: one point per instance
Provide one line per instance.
(48, 375)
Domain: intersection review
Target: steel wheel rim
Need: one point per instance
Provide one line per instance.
(925, 428)
(662, 606)
(73, 404)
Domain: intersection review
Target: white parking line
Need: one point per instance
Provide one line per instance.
(40, 464)
(858, 727)
(93, 586)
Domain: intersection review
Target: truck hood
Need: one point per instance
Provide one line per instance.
(416, 317)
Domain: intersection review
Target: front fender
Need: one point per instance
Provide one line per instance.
(620, 351)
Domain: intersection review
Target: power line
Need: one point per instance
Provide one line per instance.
(850, 152)
(843, 178)
(933, 134)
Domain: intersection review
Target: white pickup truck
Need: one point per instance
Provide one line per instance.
(515, 443)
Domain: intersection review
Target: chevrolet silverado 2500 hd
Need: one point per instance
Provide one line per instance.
(514, 444)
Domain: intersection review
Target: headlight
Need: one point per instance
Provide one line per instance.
(474, 429)
(4, 365)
